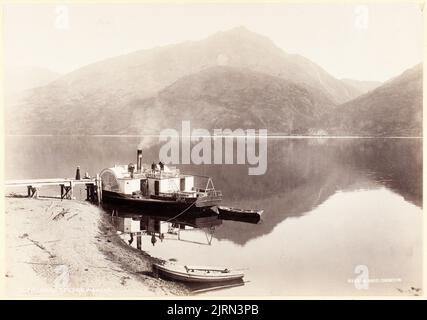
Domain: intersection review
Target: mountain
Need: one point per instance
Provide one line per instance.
(18, 79)
(108, 86)
(362, 86)
(393, 109)
(217, 97)
(146, 72)
(228, 97)
(232, 78)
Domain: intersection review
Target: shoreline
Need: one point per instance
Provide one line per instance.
(69, 248)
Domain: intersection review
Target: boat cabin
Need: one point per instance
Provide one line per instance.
(148, 182)
(157, 185)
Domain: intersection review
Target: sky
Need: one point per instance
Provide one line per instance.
(363, 42)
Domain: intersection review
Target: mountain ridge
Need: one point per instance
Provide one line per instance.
(158, 67)
(217, 97)
(362, 86)
(18, 79)
(285, 93)
(393, 109)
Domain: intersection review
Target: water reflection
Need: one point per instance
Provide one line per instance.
(161, 226)
(328, 205)
(139, 229)
(301, 173)
(292, 163)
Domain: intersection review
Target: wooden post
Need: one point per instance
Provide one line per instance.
(71, 190)
(88, 193)
(138, 241)
(32, 192)
(91, 194)
(98, 184)
(66, 191)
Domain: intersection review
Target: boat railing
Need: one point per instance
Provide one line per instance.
(210, 192)
(184, 194)
(214, 193)
(162, 174)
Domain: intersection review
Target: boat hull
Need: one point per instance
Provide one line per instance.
(239, 215)
(154, 205)
(184, 276)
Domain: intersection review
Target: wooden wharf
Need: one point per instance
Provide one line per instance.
(93, 186)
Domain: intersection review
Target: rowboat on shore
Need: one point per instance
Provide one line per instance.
(198, 273)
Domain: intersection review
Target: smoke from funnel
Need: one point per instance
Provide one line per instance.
(147, 142)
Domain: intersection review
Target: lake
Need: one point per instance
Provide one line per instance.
(334, 210)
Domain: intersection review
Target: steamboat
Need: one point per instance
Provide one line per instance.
(158, 187)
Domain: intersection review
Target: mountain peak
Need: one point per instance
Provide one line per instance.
(414, 71)
(242, 33)
(239, 29)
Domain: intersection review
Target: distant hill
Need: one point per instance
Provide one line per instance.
(18, 79)
(362, 87)
(226, 97)
(144, 73)
(218, 97)
(393, 109)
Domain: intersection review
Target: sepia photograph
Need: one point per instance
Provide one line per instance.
(205, 150)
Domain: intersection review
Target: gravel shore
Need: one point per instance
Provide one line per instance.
(69, 248)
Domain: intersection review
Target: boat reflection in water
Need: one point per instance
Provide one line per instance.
(159, 224)
(140, 229)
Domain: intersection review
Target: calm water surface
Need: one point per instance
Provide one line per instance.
(330, 205)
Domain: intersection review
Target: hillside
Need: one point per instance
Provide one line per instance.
(146, 72)
(23, 78)
(109, 86)
(393, 109)
(225, 97)
(362, 87)
(234, 78)
(218, 97)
